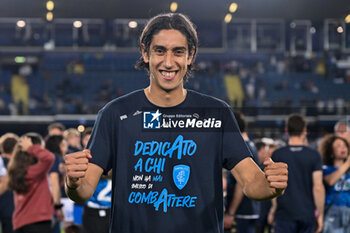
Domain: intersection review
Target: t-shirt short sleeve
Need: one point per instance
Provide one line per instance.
(328, 170)
(55, 166)
(318, 162)
(234, 147)
(2, 168)
(100, 141)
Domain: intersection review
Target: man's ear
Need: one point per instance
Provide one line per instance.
(190, 57)
(144, 53)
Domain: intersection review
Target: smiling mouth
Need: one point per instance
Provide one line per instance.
(168, 75)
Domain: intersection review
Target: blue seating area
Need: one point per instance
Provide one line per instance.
(79, 83)
(327, 89)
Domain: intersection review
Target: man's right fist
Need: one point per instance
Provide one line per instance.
(76, 166)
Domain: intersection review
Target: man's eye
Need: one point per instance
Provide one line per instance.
(179, 52)
(159, 51)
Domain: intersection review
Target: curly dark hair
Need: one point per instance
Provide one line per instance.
(168, 21)
(326, 148)
(17, 170)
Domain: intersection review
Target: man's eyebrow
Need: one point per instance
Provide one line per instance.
(158, 47)
(179, 48)
(173, 49)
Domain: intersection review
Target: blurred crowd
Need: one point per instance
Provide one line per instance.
(33, 199)
(318, 185)
(32, 196)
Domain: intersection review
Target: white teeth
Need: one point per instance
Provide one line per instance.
(168, 74)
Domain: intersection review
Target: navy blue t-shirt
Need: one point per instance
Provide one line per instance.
(167, 162)
(56, 164)
(297, 203)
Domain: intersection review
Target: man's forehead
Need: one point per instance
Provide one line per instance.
(169, 39)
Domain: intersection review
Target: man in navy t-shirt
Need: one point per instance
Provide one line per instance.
(167, 145)
(305, 194)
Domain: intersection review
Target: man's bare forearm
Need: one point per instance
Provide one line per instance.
(259, 189)
(80, 191)
(259, 185)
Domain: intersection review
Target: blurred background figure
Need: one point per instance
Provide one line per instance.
(242, 213)
(57, 145)
(263, 150)
(335, 151)
(56, 128)
(27, 171)
(97, 210)
(3, 176)
(342, 129)
(73, 139)
(7, 144)
(294, 212)
(20, 89)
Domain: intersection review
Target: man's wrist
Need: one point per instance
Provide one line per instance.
(74, 187)
(230, 213)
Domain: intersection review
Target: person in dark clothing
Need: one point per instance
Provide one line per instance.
(305, 195)
(57, 145)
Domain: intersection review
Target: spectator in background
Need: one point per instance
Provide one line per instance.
(27, 172)
(97, 210)
(3, 177)
(295, 210)
(265, 147)
(56, 128)
(240, 209)
(73, 138)
(86, 136)
(20, 89)
(58, 146)
(335, 151)
(7, 142)
(263, 226)
(342, 129)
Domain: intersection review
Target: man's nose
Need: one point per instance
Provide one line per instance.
(169, 59)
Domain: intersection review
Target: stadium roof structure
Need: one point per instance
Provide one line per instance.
(196, 9)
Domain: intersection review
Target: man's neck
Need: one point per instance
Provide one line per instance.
(166, 99)
(296, 141)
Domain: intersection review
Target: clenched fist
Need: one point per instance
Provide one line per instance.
(76, 166)
(276, 175)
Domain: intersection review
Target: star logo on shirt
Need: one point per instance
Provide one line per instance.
(156, 115)
(152, 120)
